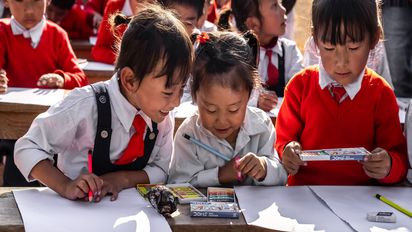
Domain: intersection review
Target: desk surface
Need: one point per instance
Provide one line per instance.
(10, 218)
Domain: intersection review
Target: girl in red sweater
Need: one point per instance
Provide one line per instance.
(341, 103)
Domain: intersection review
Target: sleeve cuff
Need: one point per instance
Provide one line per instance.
(275, 175)
(156, 175)
(208, 177)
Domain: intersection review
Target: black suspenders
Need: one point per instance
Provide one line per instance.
(101, 153)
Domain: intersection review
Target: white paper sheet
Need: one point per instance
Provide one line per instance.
(97, 66)
(286, 209)
(403, 106)
(352, 203)
(32, 96)
(44, 210)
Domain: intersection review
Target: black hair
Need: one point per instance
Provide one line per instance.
(63, 4)
(241, 10)
(154, 34)
(225, 58)
(336, 20)
(195, 4)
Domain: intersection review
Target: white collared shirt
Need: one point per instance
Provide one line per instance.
(33, 33)
(293, 59)
(1, 8)
(69, 128)
(351, 89)
(193, 164)
(127, 9)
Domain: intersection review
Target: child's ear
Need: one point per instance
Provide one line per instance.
(253, 23)
(375, 40)
(6, 3)
(128, 79)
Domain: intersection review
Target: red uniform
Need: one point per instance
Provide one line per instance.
(104, 50)
(77, 23)
(25, 65)
(312, 117)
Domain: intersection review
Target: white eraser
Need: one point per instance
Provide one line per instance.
(381, 217)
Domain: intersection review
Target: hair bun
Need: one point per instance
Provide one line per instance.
(120, 19)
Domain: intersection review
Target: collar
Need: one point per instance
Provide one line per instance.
(276, 49)
(127, 9)
(122, 107)
(351, 89)
(33, 33)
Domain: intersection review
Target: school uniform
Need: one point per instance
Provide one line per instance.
(77, 24)
(69, 129)
(408, 133)
(28, 54)
(104, 50)
(367, 117)
(97, 5)
(285, 50)
(195, 165)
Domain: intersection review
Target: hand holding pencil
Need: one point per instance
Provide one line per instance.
(253, 166)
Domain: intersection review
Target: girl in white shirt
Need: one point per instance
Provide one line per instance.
(223, 77)
(154, 59)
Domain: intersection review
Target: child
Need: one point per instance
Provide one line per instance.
(71, 18)
(35, 52)
(188, 11)
(225, 66)
(154, 61)
(316, 113)
(279, 58)
(104, 50)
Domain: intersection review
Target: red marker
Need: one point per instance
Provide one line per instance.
(90, 169)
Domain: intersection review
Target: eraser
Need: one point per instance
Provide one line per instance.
(381, 217)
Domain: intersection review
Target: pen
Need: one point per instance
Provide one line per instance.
(214, 152)
(90, 169)
(394, 205)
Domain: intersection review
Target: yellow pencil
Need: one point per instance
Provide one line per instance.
(394, 205)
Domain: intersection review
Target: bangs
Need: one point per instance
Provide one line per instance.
(338, 21)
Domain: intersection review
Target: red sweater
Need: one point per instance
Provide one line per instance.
(104, 50)
(77, 23)
(97, 5)
(25, 65)
(312, 117)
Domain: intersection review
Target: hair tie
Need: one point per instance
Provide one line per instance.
(202, 38)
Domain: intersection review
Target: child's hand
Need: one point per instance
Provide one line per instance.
(3, 81)
(378, 164)
(290, 158)
(97, 19)
(79, 188)
(112, 185)
(51, 80)
(267, 100)
(229, 173)
(253, 166)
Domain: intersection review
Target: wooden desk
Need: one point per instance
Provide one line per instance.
(82, 48)
(10, 219)
(96, 71)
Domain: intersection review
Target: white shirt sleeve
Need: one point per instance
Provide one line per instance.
(408, 133)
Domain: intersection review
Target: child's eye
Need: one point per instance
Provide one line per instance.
(211, 111)
(233, 110)
(329, 48)
(353, 48)
(168, 93)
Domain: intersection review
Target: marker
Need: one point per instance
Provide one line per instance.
(90, 169)
(394, 205)
(214, 152)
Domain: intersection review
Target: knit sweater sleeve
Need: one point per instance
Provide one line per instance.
(389, 136)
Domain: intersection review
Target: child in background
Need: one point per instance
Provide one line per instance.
(279, 58)
(341, 103)
(226, 66)
(408, 134)
(154, 60)
(188, 11)
(33, 53)
(104, 50)
(202, 23)
(71, 18)
(4, 11)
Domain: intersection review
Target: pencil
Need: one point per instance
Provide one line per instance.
(214, 152)
(90, 169)
(394, 205)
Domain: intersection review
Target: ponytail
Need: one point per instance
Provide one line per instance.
(118, 19)
(223, 21)
(253, 43)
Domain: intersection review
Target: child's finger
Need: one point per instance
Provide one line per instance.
(114, 196)
(82, 185)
